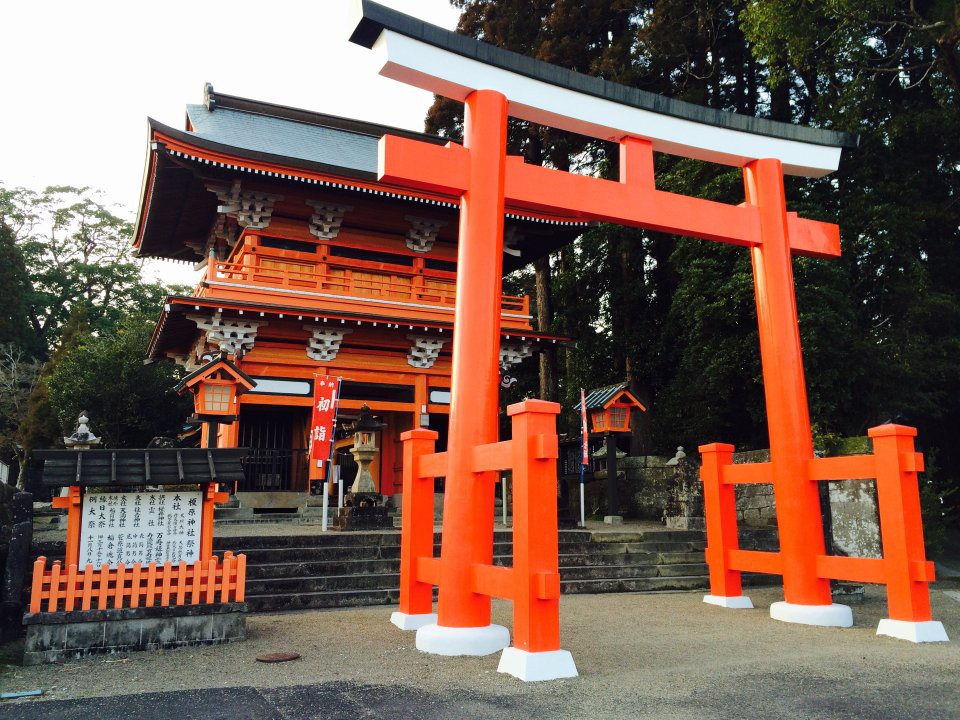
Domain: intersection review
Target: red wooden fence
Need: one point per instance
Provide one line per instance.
(205, 581)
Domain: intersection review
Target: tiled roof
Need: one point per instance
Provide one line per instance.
(600, 396)
(281, 136)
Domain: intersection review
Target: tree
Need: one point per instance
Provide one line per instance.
(39, 426)
(14, 287)
(129, 402)
(75, 250)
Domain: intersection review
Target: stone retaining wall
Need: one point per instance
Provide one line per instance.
(59, 636)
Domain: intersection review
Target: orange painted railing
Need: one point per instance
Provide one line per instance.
(69, 589)
(903, 568)
(533, 583)
(342, 280)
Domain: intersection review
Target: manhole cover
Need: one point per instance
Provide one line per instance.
(278, 657)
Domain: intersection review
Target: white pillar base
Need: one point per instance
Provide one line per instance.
(917, 632)
(405, 621)
(531, 667)
(824, 615)
(733, 601)
(477, 641)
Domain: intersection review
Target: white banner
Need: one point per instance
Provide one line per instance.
(141, 528)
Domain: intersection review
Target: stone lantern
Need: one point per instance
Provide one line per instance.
(363, 505)
(82, 438)
(365, 450)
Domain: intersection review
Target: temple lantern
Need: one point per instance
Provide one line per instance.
(609, 408)
(215, 387)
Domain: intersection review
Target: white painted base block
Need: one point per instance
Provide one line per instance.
(734, 601)
(477, 641)
(531, 667)
(613, 519)
(917, 632)
(412, 622)
(824, 615)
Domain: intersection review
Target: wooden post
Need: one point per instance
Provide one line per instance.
(901, 526)
(720, 509)
(468, 500)
(416, 533)
(791, 443)
(536, 598)
(613, 500)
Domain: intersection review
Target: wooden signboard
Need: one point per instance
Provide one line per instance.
(141, 528)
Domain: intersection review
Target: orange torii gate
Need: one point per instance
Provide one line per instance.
(494, 84)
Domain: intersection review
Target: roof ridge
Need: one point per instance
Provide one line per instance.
(214, 101)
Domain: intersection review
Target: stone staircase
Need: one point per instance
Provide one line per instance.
(293, 572)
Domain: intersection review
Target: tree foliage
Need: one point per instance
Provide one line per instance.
(75, 250)
(675, 317)
(128, 402)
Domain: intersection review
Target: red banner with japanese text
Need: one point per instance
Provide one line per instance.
(584, 435)
(326, 392)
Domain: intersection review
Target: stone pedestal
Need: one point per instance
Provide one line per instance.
(684, 507)
(363, 511)
(59, 636)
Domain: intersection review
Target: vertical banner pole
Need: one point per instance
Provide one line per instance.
(336, 478)
(584, 455)
(583, 514)
(326, 502)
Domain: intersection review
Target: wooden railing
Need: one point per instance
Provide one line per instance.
(58, 588)
(903, 568)
(390, 286)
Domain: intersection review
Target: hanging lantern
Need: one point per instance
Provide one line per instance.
(215, 388)
(609, 408)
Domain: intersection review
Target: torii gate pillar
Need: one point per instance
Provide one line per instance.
(463, 616)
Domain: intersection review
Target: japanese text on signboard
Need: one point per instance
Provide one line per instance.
(141, 528)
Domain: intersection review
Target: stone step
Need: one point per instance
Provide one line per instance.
(323, 583)
(355, 598)
(640, 558)
(651, 584)
(323, 599)
(619, 553)
(647, 536)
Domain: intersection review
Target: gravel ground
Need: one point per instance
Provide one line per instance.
(652, 655)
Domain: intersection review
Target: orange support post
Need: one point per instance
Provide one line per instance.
(416, 534)
(73, 502)
(901, 529)
(536, 594)
(210, 498)
(468, 514)
(788, 420)
(720, 509)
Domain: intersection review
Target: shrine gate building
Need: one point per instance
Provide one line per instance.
(311, 266)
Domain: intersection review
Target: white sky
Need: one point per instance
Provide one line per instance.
(79, 79)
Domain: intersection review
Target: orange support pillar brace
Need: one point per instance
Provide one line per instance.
(901, 529)
(416, 535)
(807, 596)
(463, 616)
(720, 503)
(536, 594)
(73, 502)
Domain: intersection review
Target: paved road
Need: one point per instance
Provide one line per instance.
(764, 695)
